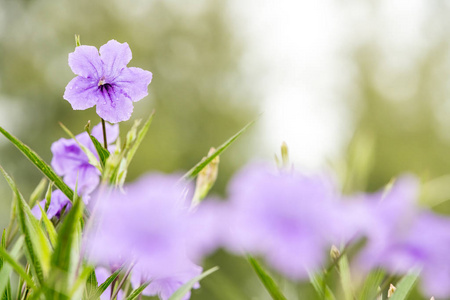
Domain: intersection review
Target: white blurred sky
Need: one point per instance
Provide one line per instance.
(301, 45)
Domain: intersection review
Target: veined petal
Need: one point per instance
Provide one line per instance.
(134, 82)
(115, 57)
(85, 61)
(114, 106)
(82, 93)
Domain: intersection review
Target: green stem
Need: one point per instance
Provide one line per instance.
(105, 142)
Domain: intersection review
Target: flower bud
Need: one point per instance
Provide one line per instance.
(391, 290)
(334, 253)
(206, 178)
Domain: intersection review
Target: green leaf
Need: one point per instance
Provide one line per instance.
(105, 285)
(103, 154)
(185, 288)
(266, 280)
(62, 257)
(404, 287)
(37, 193)
(82, 283)
(36, 243)
(49, 226)
(9, 259)
(137, 291)
(198, 167)
(91, 286)
(131, 152)
(345, 276)
(39, 163)
(371, 284)
(6, 269)
(322, 289)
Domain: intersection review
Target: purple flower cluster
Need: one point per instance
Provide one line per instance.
(289, 219)
(105, 81)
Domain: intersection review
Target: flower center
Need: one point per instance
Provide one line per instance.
(102, 81)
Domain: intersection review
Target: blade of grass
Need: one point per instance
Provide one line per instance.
(49, 226)
(321, 288)
(39, 163)
(139, 139)
(266, 280)
(198, 167)
(371, 284)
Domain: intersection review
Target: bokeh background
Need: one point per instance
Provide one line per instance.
(357, 86)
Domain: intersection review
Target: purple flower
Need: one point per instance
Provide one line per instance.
(285, 217)
(145, 226)
(105, 81)
(58, 202)
(102, 274)
(164, 287)
(401, 237)
(72, 163)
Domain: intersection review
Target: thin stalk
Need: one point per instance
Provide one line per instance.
(105, 142)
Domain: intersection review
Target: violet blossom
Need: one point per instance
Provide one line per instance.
(104, 80)
(58, 202)
(145, 226)
(72, 163)
(286, 217)
(402, 237)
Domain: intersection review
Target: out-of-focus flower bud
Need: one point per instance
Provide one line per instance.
(335, 253)
(206, 178)
(391, 290)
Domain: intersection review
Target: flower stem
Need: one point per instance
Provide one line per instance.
(105, 142)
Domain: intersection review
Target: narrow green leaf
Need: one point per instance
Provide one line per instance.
(345, 276)
(103, 154)
(371, 284)
(139, 139)
(39, 163)
(198, 167)
(36, 244)
(5, 284)
(37, 193)
(49, 226)
(185, 288)
(17, 267)
(62, 256)
(105, 285)
(266, 280)
(82, 283)
(91, 286)
(321, 288)
(404, 287)
(137, 291)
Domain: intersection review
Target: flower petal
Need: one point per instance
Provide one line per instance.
(67, 156)
(86, 179)
(115, 57)
(112, 132)
(115, 106)
(82, 93)
(134, 82)
(85, 61)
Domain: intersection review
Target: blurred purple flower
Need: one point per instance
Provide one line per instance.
(102, 274)
(72, 163)
(286, 217)
(401, 237)
(105, 81)
(57, 203)
(145, 226)
(164, 287)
